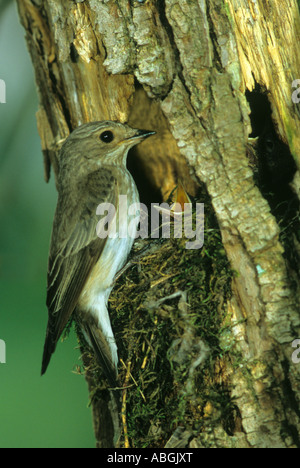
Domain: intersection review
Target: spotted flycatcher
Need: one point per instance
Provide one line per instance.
(83, 264)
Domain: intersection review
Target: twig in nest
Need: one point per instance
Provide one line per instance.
(149, 347)
(124, 401)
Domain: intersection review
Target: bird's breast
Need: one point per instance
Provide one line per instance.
(116, 250)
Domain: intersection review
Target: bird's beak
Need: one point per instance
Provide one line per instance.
(140, 135)
(143, 134)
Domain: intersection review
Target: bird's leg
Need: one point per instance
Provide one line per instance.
(134, 258)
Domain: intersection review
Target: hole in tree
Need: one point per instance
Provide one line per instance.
(276, 167)
(148, 191)
(275, 163)
(156, 164)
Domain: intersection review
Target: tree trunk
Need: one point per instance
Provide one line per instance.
(193, 70)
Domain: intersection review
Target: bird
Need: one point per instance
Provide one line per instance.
(83, 262)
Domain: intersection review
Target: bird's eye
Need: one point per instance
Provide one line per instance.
(107, 137)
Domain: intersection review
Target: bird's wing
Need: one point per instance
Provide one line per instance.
(79, 249)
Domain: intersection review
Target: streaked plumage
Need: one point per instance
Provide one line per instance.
(82, 266)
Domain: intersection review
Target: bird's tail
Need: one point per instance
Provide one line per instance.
(53, 333)
(98, 333)
(49, 348)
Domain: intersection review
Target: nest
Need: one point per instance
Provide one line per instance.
(168, 313)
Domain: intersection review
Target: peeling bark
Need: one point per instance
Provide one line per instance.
(182, 68)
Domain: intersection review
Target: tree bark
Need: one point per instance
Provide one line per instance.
(185, 69)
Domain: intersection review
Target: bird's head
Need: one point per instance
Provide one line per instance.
(95, 144)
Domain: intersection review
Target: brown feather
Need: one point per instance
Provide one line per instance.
(70, 265)
(101, 349)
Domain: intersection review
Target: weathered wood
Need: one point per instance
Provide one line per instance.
(182, 67)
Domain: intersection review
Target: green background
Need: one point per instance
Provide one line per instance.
(48, 411)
